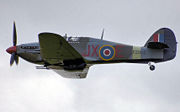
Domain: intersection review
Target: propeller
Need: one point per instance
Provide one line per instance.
(12, 50)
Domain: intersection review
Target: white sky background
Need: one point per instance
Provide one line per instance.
(108, 88)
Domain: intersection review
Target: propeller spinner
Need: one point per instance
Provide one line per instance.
(12, 50)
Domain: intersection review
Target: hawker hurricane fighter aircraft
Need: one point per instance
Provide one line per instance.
(71, 57)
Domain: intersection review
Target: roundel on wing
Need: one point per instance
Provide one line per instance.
(107, 52)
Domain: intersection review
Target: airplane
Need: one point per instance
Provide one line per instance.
(71, 57)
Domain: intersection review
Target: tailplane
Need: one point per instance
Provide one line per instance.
(163, 39)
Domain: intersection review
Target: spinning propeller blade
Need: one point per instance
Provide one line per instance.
(12, 50)
(14, 35)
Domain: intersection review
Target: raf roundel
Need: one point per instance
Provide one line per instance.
(107, 52)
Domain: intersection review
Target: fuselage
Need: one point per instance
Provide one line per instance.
(96, 51)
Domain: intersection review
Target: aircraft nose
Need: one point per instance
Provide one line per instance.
(11, 50)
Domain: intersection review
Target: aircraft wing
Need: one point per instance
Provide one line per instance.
(76, 74)
(55, 49)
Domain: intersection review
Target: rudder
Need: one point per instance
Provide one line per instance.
(165, 39)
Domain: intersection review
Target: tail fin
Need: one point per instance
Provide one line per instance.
(163, 39)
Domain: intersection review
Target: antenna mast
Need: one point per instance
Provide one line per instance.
(102, 35)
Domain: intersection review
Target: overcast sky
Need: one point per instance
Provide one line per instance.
(107, 88)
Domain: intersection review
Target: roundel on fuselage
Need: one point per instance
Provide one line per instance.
(107, 52)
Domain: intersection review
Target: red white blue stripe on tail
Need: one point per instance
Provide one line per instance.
(158, 37)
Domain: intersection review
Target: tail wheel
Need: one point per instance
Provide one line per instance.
(152, 67)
